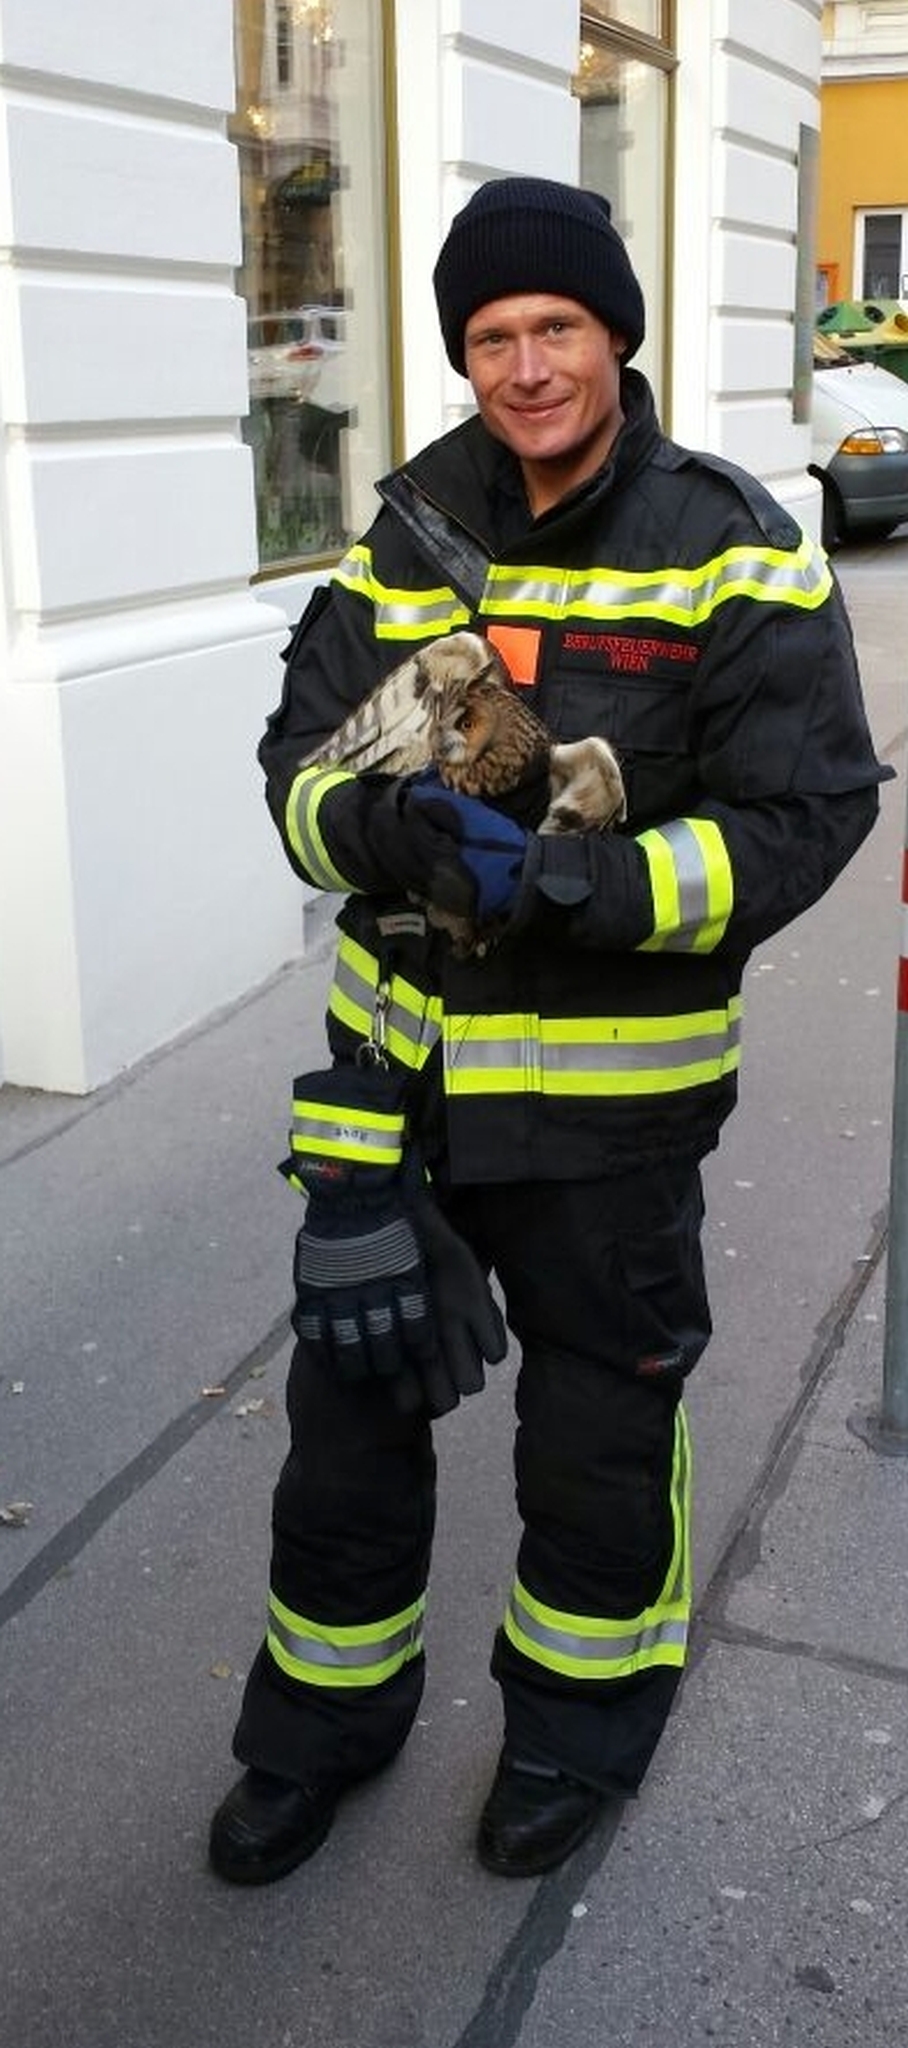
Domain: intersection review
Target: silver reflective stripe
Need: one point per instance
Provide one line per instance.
(692, 885)
(593, 1058)
(412, 1019)
(309, 789)
(585, 1056)
(589, 1647)
(596, 1649)
(686, 597)
(377, 1141)
(343, 1656)
(416, 621)
(690, 870)
(362, 1655)
(355, 570)
(400, 614)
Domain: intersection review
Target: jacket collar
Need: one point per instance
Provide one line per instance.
(470, 477)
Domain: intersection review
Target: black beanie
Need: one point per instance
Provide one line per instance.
(520, 235)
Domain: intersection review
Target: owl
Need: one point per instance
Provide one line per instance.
(486, 742)
(452, 706)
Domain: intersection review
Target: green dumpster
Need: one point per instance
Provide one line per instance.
(876, 330)
(886, 341)
(845, 316)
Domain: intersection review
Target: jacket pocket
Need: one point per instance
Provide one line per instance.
(645, 721)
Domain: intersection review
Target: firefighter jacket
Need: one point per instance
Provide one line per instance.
(671, 605)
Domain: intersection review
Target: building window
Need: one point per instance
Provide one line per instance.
(309, 128)
(623, 82)
(643, 16)
(882, 254)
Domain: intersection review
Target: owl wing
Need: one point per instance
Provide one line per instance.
(587, 791)
(392, 728)
(389, 730)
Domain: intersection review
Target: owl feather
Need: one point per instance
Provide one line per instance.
(452, 705)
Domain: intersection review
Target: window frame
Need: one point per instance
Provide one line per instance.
(658, 53)
(315, 565)
(659, 50)
(861, 217)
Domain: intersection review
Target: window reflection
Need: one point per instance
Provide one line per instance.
(308, 129)
(643, 15)
(882, 274)
(623, 148)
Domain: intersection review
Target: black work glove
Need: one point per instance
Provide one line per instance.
(385, 1289)
(362, 1299)
(471, 1331)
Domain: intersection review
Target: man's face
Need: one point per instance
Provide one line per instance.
(545, 375)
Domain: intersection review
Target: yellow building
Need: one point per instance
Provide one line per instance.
(862, 228)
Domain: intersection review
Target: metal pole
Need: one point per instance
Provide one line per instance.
(886, 1429)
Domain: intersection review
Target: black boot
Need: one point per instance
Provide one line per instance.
(533, 1818)
(267, 1825)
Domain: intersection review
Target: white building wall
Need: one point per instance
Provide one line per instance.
(138, 888)
(506, 109)
(866, 40)
(139, 883)
(748, 79)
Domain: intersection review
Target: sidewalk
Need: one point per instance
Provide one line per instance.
(774, 1824)
(755, 1893)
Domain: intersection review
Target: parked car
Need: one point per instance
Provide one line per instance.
(289, 349)
(859, 445)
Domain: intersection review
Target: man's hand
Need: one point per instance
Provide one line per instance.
(451, 850)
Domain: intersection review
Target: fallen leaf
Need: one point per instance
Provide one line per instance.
(16, 1514)
(222, 1671)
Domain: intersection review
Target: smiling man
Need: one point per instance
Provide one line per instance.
(546, 378)
(560, 1089)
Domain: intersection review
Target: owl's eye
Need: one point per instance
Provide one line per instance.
(466, 721)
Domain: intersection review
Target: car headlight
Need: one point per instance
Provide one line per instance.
(876, 441)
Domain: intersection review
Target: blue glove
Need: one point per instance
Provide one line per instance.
(470, 856)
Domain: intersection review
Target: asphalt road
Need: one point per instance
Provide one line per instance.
(144, 1263)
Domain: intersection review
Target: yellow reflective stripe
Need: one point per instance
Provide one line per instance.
(683, 597)
(400, 614)
(679, 1580)
(317, 1654)
(692, 884)
(301, 818)
(412, 1020)
(524, 1054)
(592, 1647)
(354, 571)
(372, 1137)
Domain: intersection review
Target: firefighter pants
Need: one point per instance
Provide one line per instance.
(604, 1288)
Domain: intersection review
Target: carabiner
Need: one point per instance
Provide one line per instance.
(373, 1052)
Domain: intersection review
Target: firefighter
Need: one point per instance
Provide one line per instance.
(559, 1089)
